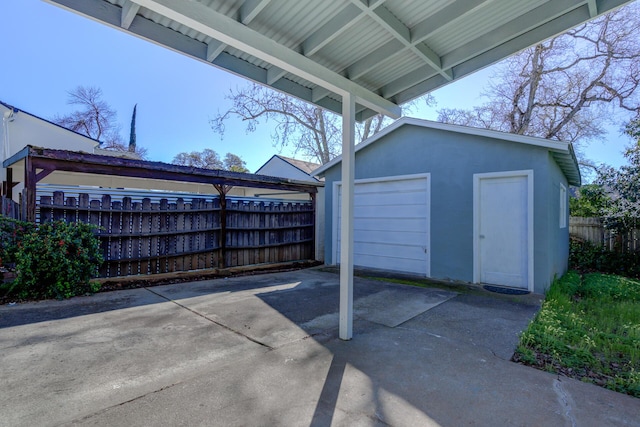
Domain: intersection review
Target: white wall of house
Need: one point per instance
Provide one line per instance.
(20, 129)
(282, 169)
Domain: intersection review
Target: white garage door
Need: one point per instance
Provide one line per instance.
(391, 223)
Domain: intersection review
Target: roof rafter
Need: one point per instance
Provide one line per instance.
(129, 11)
(420, 32)
(250, 9)
(555, 16)
(338, 24)
(402, 33)
(248, 12)
(226, 30)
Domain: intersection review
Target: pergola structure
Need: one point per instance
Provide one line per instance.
(354, 57)
(35, 164)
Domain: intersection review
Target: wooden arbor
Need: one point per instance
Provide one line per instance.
(39, 163)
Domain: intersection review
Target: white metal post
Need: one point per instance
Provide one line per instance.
(346, 232)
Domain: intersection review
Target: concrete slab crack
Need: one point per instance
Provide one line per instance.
(142, 396)
(209, 319)
(565, 402)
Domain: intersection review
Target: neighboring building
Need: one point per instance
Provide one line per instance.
(286, 167)
(457, 203)
(20, 128)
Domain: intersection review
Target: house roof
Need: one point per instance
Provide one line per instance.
(561, 151)
(306, 167)
(16, 110)
(383, 52)
(303, 166)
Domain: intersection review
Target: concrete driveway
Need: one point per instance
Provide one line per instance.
(263, 350)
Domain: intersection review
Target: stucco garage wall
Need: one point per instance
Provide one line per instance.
(453, 159)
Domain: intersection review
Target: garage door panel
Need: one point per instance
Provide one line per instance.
(396, 212)
(407, 238)
(380, 187)
(390, 225)
(390, 198)
(393, 264)
(377, 224)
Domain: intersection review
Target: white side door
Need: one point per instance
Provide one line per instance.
(503, 229)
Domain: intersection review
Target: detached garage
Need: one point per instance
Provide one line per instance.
(457, 203)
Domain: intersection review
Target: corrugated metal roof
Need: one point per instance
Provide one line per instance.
(385, 52)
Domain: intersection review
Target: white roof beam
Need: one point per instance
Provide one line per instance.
(515, 28)
(317, 93)
(274, 74)
(402, 33)
(552, 18)
(331, 30)
(405, 82)
(593, 8)
(129, 11)
(229, 31)
(419, 33)
(446, 16)
(386, 52)
(250, 9)
(214, 49)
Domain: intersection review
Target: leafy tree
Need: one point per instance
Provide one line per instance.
(205, 159)
(209, 159)
(590, 202)
(234, 163)
(94, 118)
(565, 88)
(623, 212)
(313, 131)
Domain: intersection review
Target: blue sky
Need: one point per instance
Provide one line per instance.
(47, 51)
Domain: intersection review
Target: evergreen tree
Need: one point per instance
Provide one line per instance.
(132, 134)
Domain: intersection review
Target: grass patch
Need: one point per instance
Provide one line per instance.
(588, 328)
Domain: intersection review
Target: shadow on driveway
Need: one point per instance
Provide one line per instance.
(263, 350)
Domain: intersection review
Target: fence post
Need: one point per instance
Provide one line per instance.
(222, 238)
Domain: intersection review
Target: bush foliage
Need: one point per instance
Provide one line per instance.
(53, 260)
(587, 257)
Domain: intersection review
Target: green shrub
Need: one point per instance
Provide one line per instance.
(11, 232)
(587, 257)
(57, 260)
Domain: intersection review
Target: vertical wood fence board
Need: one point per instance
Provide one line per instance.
(592, 230)
(140, 237)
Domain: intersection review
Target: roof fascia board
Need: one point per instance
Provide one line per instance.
(20, 155)
(559, 147)
(226, 30)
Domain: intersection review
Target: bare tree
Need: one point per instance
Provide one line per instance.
(314, 132)
(95, 118)
(567, 87)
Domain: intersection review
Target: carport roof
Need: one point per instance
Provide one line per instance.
(384, 52)
(562, 152)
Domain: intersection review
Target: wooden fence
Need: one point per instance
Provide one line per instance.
(9, 208)
(141, 237)
(592, 230)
